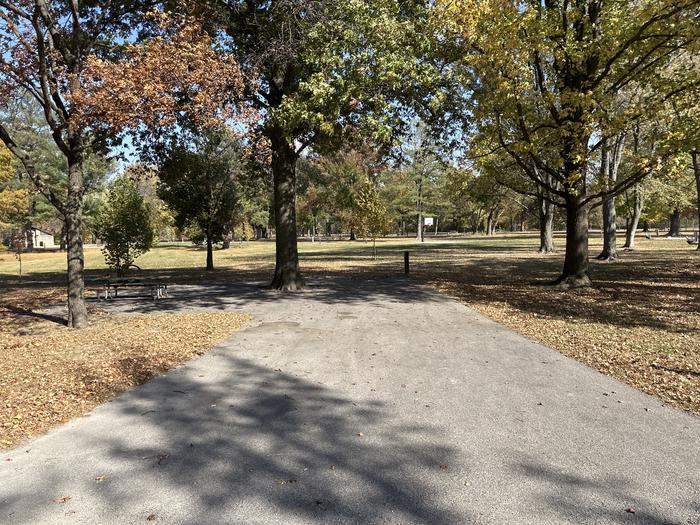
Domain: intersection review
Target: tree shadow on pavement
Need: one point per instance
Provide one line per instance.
(569, 494)
(245, 446)
(328, 290)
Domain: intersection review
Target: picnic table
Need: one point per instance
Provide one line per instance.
(109, 288)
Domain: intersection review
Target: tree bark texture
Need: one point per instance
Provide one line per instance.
(419, 210)
(610, 164)
(77, 311)
(210, 253)
(287, 275)
(631, 234)
(675, 224)
(696, 171)
(546, 213)
(609, 252)
(575, 274)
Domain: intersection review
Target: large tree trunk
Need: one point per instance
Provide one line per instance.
(675, 226)
(546, 212)
(575, 272)
(77, 311)
(631, 234)
(284, 157)
(696, 170)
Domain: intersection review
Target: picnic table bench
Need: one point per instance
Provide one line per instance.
(109, 288)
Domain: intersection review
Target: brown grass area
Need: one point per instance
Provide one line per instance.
(50, 374)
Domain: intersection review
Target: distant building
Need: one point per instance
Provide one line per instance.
(42, 239)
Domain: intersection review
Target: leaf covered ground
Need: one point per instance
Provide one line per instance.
(50, 374)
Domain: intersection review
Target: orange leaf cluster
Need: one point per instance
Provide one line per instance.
(175, 73)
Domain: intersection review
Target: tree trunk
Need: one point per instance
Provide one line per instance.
(419, 210)
(210, 253)
(610, 164)
(696, 170)
(675, 227)
(492, 221)
(631, 234)
(546, 212)
(352, 234)
(489, 223)
(575, 274)
(609, 252)
(284, 158)
(29, 236)
(77, 311)
(62, 243)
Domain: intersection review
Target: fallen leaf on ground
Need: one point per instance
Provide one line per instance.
(53, 374)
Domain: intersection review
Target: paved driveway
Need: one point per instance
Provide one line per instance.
(362, 402)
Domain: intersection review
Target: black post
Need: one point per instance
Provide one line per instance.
(405, 263)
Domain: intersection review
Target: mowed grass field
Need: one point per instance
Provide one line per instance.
(259, 256)
(639, 322)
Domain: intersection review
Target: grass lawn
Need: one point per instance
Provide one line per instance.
(640, 322)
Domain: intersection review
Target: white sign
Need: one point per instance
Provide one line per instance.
(428, 221)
